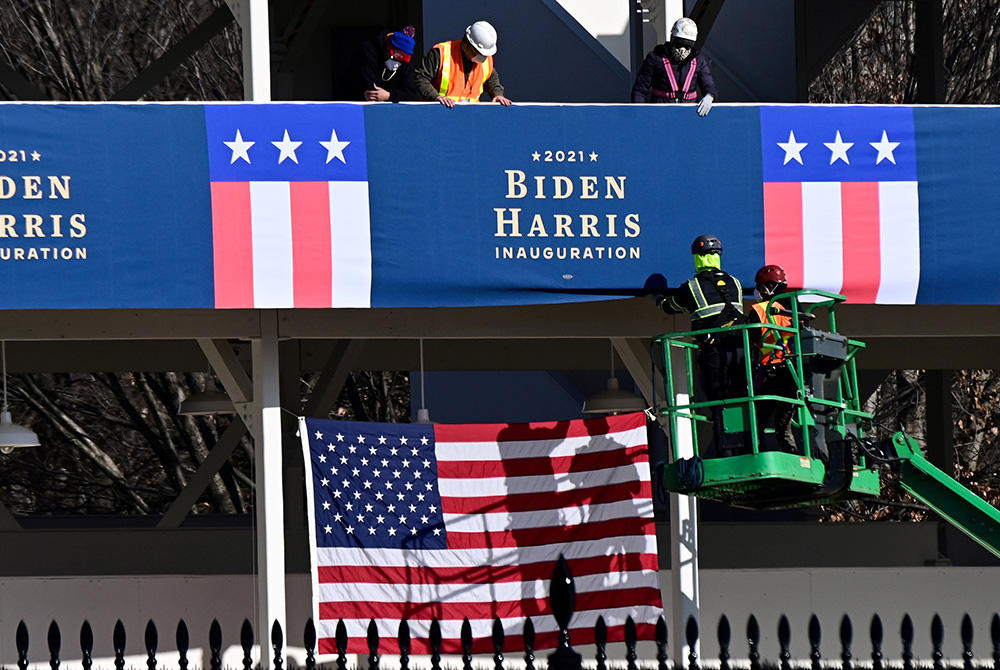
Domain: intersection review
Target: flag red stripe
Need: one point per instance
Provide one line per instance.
(456, 611)
(783, 237)
(232, 243)
(862, 253)
(482, 574)
(520, 467)
(389, 642)
(312, 260)
(554, 430)
(534, 537)
(529, 502)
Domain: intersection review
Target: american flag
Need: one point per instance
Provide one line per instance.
(840, 200)
(290, 212)
(453, 521)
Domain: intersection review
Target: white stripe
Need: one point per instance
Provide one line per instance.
(474, 593)
(570, 481)
(549, 518)
(271, 214)
(899, 237)
(822, 236)
(451, 629)
(460, 558)
(565, 446)
(350, 228)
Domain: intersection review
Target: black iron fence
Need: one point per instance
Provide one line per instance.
(563, 657)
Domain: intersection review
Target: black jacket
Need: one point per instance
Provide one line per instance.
(368, 68)
(723, 295)
(653, 77)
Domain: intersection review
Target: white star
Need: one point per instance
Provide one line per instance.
(388, 485)
(402, 520)
(394, 451)
(340, 438)
(343, 460)
(420, 497)
(424, 519)
(368, 507)
(361, 518)
(391, 508)
(416, 474)
(368, 485)
(345, 483)
(334, 148)
(319, 435)
(357, 495)
(330, 447)
(838, 149)
(328, 529)
(322, 458)
(885, 149)
(287, 148)
(350, 530)
(413, 531)
(325, 481)
(355, 472)
(430, 486)
(337, 517)
(376, 473)
(352, 449)
(793, 149)
(381, 439)
(350, 507)
(437, 531)
(414, 451)
(361, 439)
(424, 441)
(402, 440)
(392, 532)
(380, 519)
(337, 493)
(536, 156)
(372, 450)
(400, 496)
(240, 149)
(434, 509)
(593, 157)
(364, 461)
(371, 530)
(406, 463)
(379, 495)
(427, 464)
(326, 505)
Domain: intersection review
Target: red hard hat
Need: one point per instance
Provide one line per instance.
(771, 274)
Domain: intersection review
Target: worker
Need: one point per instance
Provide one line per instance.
(460, 70)
(714, 298)
(675, 72)
(381, 71)
(771, 375)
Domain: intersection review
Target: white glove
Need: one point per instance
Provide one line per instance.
(705, 106)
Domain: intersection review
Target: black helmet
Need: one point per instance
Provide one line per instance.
(706, 244)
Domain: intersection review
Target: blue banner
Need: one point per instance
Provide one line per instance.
(345, 205)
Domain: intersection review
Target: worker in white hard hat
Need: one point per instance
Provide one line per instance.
(675, 72)
(460, 70)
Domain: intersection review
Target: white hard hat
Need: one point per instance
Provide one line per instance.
(483, 37)
(684, 29)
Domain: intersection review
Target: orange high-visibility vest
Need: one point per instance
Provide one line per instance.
(770, 336)
(453, 81)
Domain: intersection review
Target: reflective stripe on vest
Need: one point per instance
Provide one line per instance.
(470, 92)
(688, 94)
(705, 310)
(772, 356)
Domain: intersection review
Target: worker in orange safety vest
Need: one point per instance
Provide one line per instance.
(771, 375)
(460, 70)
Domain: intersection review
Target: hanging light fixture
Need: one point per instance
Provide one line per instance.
(423, 416)
(614, 400)
(12, 435)
(208, 402)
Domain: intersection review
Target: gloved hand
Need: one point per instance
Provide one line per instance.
(705, 106)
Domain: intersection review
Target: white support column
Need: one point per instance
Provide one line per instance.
(253, 19)
(268, 470)
(683, 533)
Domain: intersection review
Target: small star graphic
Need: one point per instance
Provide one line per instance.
(328, 529)
(35, 156)
(287, 148)
(335, 148)
(239, 148)
(536, 156)
(793, 149)
(319, 435)
(340, 437)
(350, 530)
(361, 439)
(885, 149)
(838, 149)
(593, 156)
(392, 532)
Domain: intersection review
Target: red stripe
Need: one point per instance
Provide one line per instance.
(456, 611)
(232, 244)
(481, 574)
(524, 432)
(530, 502)
(783, 239)
(536, 537)
(542, 465)
(862, 254)
(389, 641)
(312, 262)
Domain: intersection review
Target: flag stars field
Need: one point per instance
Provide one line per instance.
(287, 147)
(838, 149)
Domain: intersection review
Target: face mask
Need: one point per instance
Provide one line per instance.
(392, 65)
(479, 59)
(680, 53)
